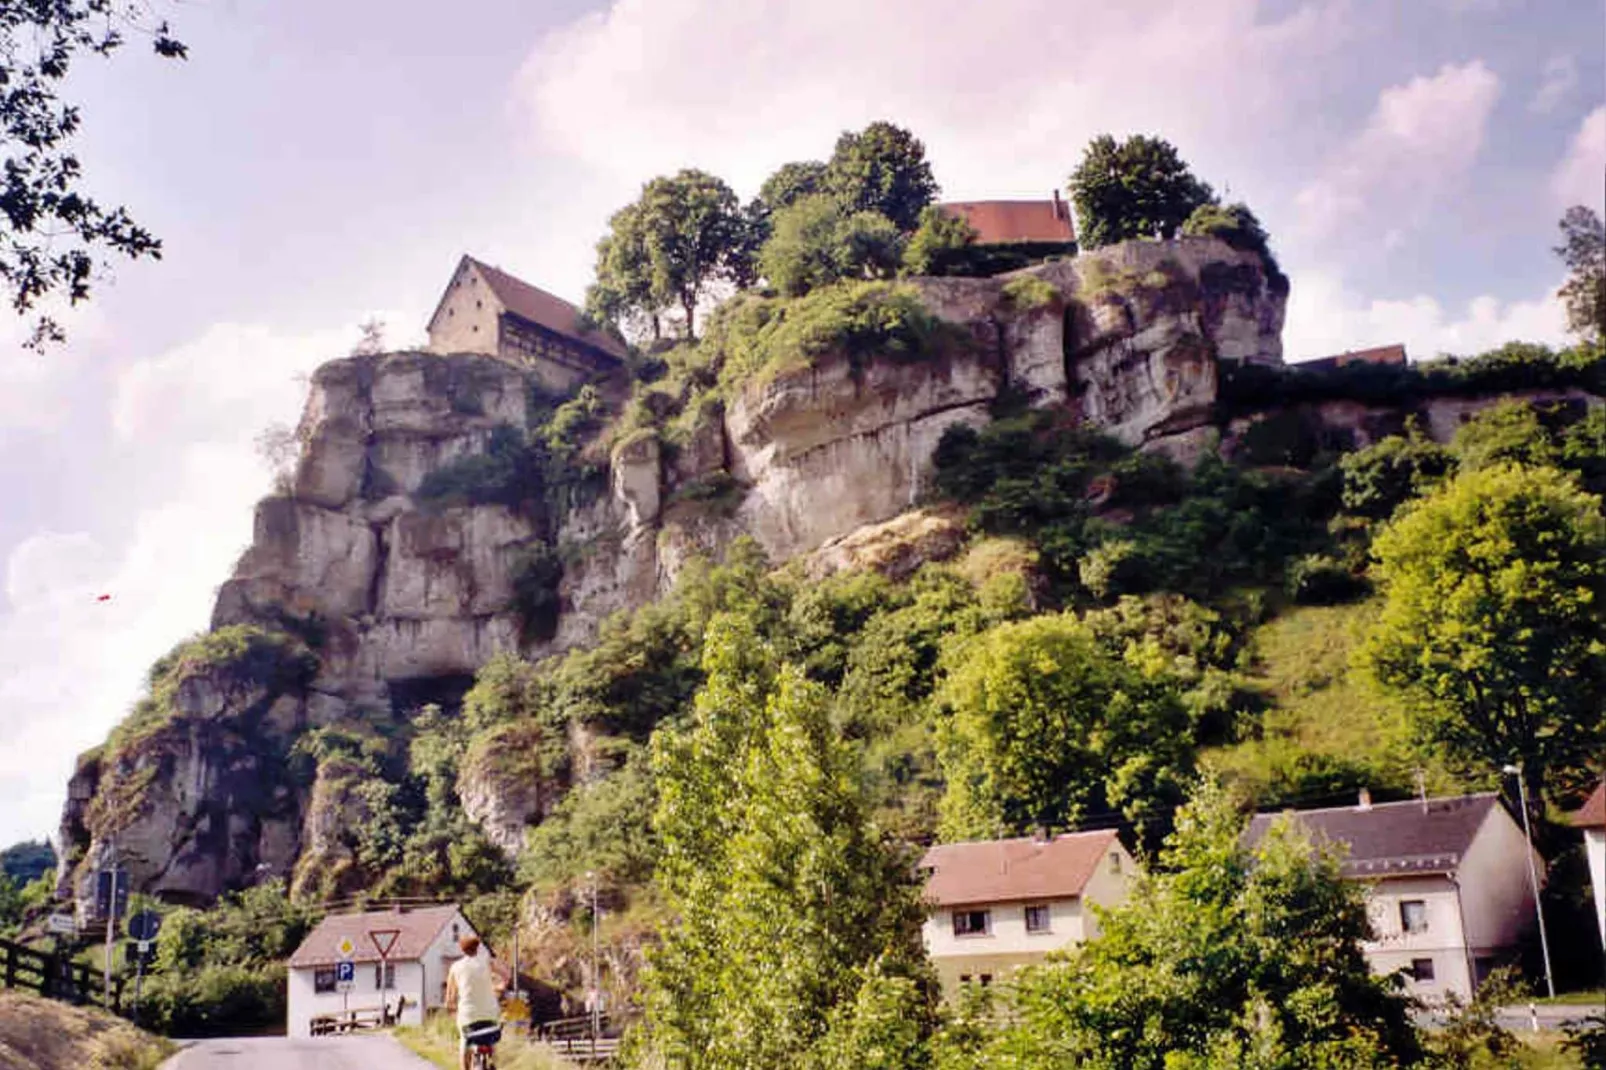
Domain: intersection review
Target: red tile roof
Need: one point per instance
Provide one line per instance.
(1005, 222)
(1001, 871)
(1592, 815)
(1386, 839)
(419, 927)
(544, 309)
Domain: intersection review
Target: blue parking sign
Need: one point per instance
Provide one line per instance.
(345, 972)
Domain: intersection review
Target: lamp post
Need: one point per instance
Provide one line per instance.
(1533, 873)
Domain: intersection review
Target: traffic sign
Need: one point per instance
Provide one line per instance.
(346, 948)
(384, 940)
(345, 972)
(65, 924)
(111, 893)
(145, 925)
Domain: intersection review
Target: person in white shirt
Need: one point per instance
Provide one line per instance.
(471, 993)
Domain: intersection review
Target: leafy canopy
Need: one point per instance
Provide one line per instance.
(817, 242)
(52, 233)
(1493, 623)
(1583, 249)
(882, 168)
(1137, 188)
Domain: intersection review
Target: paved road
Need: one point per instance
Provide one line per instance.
(372, 1052)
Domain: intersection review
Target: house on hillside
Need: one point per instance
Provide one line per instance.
(1393, 355)
(1592, 819)
(424, 948)
(1447, 883)
(1013, 234)
(995, 905)
(486, 310)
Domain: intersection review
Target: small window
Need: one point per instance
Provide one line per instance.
(1115, 861)
(972, 922)
(986, 979)
(1413, 915)
(1421, 969)
(964, 978)
(323, 979)
(1037, 918)
(388, 981)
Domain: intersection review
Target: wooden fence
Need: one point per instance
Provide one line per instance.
(581, 1040)
(54, 976)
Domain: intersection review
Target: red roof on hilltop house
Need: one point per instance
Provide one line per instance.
(1008, 222)
(995, 871)
(1592, 815)
(1394, 354)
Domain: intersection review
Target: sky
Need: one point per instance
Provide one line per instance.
(318, 163)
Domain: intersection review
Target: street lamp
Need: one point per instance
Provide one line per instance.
(1533, 873)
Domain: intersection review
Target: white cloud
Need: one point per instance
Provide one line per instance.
(1581, 176)
(1419, 142)
(1560, 78)
(36, 387)
(71, 664)
(1325, 318)
(1005, 99)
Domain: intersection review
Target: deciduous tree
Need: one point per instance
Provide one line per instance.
(1493, 622)
(882, 168)
(1583, 249)
(816, 242)
(52, 233)
(1137, 188)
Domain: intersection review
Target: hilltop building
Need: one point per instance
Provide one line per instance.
(996, 905)
(1447, 883)
(1393, 355)
(1014, 234)
(414, 969)
(486, 310)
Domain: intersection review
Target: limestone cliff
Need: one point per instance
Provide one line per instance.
(402, 600)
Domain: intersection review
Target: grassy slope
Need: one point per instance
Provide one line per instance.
(43, 1034)
(436, 1040)
(1326, 729)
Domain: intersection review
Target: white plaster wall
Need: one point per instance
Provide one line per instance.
(1109, 884)
(1495, 890)
(1595, 851)
(468, 319)
(438, 959)
(1008, 935)
(305, 1004)
(1393, 948)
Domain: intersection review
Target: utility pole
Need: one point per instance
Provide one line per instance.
(1533, 873)
(111, 916)
(596, 966)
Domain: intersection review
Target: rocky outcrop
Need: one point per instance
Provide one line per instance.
(404, 599)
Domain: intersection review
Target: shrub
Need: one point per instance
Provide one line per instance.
(938, 244)
(1379, 478)
(1319, 580)
(535, 575)
(1236, 225)
(1028, 293)
(221, 1000)
(816, 242)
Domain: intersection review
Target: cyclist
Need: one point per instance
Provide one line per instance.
(471, 992)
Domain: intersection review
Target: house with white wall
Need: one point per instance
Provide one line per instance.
(414, 973)
(1592, 819)
(1447, 883)
(993, 906)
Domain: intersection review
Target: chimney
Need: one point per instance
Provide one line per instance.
(1040, 834)
(1059, 205)
(1365, 800)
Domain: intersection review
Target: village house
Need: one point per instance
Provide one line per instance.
(996, 905)
(1592, 819)
(1392, 356)
(1447, 883)
(1014, 234)
(415, 967)
(486, 310)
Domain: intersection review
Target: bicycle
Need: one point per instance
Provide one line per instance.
(481, 1039)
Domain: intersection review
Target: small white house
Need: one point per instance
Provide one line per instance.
(1447, 884)
(1592, 819)
(996, 905)
(424, 948)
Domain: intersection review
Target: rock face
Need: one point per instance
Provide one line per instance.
(407, 601)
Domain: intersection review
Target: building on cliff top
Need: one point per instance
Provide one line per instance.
(1446, 883)
(1393, 355)
(486, 310)
(1017, 222)
(995, 905)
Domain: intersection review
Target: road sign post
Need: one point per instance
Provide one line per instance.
(142, 927)
(345, 972)
(383, 940)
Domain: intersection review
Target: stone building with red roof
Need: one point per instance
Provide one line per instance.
(486, 310)
(995, 905)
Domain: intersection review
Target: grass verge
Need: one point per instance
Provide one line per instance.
(436, 1040)
(44, 1034)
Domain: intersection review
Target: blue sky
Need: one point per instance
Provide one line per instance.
(317, 163)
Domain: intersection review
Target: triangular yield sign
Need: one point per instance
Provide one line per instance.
(384, 940)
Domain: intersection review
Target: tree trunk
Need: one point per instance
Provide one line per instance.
(689, 303)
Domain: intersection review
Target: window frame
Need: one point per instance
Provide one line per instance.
(389, 979)
(1422, 970)
(324, 980)
(966, 932)
(1418, 909)
(1046, 914)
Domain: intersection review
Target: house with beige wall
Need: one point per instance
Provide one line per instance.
(993, 906)
(1447, 884)
(486, 310)
(1592, 820)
